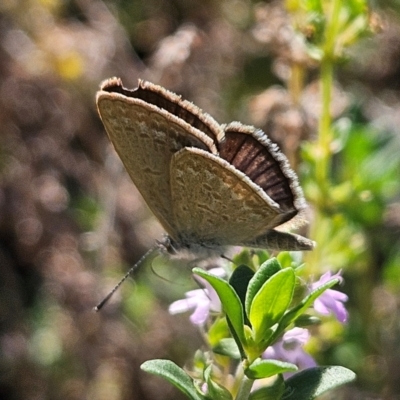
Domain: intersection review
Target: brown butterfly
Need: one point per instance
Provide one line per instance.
(209, 185)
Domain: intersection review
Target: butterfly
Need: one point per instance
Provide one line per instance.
(210, 185)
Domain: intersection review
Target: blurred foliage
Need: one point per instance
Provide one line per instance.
(71, 221)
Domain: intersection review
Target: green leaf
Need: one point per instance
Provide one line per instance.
(266, 270)
(175, 375)
(227, 347)
(295, 312)
(272, 392)
(216, 391)
(229, 299)
(217, 331)
(239, 280)
(200, 362)
(265, 368)
(307, 320)
(285, 259)
(243, 258)
(271, 302)
(262, 255)
(313, 382)
(237, 339)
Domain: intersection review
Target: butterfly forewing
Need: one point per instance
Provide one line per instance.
(146, 137)
(170, 102)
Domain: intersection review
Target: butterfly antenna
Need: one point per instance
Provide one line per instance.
(224, 257)
(126, 276)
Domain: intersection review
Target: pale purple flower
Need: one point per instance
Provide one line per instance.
(331, 301)
(204, 388)
(290, 349)
(201, 301)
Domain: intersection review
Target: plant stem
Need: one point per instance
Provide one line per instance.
(325, 134)
(326, 83)
(323, 146)
(245, 388)
(296, 82)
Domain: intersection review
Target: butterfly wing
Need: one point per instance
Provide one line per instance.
(277, 240)
(146, 136)
(250, 151)
(214, 203)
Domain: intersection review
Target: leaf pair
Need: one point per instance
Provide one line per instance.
(254, 303)
(306, 385)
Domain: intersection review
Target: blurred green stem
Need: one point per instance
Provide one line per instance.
(323, 163)
(245, 388)
(323, 147)
(296, 82)
(323, 159)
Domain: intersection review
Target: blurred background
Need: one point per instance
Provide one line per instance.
(71, 221)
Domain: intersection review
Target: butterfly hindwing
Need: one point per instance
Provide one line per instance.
(215, 203)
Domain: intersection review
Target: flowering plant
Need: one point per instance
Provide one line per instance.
(252, 326)
(255, 321)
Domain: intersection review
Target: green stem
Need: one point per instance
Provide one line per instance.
(322, 166)
(296, 82)
(323, 147)
(325, 135)
(245, 388)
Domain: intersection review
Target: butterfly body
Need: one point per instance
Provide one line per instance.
(209, 185)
